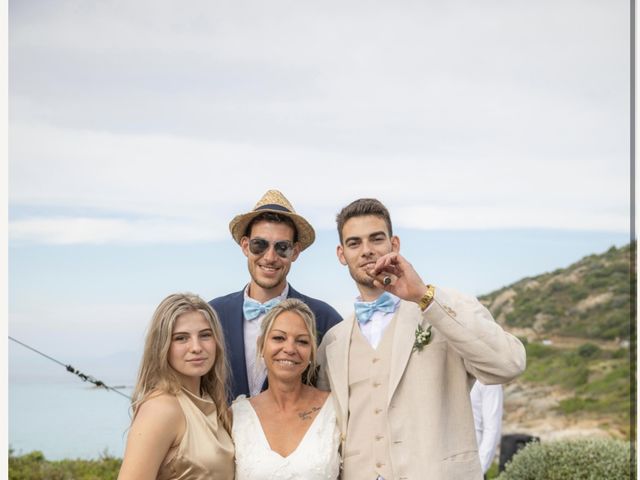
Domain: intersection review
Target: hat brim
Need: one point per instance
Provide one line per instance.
(306, 234)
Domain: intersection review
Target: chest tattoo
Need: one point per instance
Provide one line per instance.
(307, 415)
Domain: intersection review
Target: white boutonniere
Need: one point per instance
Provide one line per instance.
(423, 337)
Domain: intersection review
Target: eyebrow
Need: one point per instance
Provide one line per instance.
(286, 333)
(379, 232)
(199, 331)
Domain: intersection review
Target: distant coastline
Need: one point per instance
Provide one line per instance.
(67, 419)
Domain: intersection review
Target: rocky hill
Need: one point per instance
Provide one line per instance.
(590, 299)
(576, 325)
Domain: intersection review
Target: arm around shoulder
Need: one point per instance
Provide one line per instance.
(158, 424)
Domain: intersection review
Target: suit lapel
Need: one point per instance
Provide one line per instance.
(235, 340)
(407, 320)
(293, 293)
(338, 366)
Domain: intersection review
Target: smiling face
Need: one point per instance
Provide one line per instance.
(268, 270)
(192, 352)
(365, 239)
(287, 347)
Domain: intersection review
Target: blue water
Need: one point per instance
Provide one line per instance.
(68, 419)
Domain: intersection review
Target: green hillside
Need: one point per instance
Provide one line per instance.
(589, 299)
(576, 326)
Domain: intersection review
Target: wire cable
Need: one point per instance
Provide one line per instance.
(69, 368)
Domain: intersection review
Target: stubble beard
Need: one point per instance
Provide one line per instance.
(267, 284)
(361, 278)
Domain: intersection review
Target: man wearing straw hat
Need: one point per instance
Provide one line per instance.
(400, 368)
(271, 236)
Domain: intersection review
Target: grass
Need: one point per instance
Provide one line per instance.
(600, 379)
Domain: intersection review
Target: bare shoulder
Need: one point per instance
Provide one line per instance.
(159, 423)
(161, 405)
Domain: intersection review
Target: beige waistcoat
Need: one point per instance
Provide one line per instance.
(367, 441)
(427, 403)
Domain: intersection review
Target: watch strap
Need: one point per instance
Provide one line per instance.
(427, 298)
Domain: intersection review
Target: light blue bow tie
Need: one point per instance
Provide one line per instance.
(384, 303)
(253, 309)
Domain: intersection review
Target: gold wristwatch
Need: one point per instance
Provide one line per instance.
(427, 298)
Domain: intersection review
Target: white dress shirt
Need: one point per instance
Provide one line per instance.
(486, 401)
(256, 371)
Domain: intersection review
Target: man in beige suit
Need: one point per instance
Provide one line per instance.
(401, 372)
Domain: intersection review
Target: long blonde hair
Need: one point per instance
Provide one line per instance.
(157, 376)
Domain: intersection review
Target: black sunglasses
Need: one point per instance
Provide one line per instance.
(283, 248)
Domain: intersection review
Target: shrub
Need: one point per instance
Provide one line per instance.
(586, 459)
(575, 404)
(588, 350)
(539, 350)
(557, 286)
(34, 466)
(578, 291)
(621, 353)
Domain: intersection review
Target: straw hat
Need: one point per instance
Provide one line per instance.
(275, 202)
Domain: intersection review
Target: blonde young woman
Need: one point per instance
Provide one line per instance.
(289, 430)
(181, 423)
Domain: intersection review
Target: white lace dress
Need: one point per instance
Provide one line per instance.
(315, 458)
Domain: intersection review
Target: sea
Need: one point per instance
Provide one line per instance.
(67, 419)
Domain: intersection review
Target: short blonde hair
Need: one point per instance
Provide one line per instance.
(304, 312)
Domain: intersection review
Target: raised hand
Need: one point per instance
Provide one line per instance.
(393, 273)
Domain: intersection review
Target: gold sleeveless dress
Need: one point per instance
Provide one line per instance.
(206, 451)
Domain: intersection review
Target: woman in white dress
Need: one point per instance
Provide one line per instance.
(288, 431)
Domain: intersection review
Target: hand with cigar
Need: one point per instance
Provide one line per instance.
(393, 273)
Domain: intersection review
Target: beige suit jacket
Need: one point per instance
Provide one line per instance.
(428, 405)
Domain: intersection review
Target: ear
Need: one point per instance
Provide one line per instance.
(296, 252)
(244, 244)
(340, 254)
(395, 244)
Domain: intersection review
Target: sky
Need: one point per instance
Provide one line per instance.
(497, 134)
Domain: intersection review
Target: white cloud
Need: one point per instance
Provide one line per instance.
(509, 216)
(132, 119)
(96, 231)
(159, 189)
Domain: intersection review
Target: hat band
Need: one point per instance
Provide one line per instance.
(273, 206)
